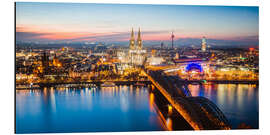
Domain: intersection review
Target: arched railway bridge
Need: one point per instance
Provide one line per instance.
(199, 112)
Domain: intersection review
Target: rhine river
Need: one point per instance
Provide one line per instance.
(121, 108)
(239, 102)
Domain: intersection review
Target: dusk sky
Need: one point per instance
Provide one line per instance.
(113, 22)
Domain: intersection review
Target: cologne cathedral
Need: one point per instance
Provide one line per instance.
(136, 52)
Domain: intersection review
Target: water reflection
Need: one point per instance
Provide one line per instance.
(120, 108)
(169, 124)
(239, 102)
(151, 101)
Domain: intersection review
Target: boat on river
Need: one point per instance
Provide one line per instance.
(108, 84)
(139, 84)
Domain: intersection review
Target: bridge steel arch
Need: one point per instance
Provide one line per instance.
(199, 112)
(217, 119)
(184, 108)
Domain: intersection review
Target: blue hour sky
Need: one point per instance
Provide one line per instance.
(113, 22)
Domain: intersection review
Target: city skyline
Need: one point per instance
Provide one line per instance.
(128, 68)
(38, 22)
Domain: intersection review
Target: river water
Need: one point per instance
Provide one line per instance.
(121, 108)
(239, 102)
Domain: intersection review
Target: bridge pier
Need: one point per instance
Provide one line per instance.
(153, 87)
(170, 109)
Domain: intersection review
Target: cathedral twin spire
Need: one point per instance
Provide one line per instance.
(132, 40)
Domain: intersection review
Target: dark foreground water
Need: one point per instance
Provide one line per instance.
(85, 110)
(239, 102)
(122, 108)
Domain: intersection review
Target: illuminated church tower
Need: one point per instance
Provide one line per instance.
(139, 40)
(132, 41)
(203, 44)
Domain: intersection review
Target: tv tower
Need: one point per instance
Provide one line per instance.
(172, 37)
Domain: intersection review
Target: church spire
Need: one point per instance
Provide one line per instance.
(132, 40)
(139, 40)
(132, 33)
(139, 34)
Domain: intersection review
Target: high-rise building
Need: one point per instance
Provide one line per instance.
(203, 44)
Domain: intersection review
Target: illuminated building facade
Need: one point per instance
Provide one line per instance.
(48, 67)
(136, 52)
(56, 62)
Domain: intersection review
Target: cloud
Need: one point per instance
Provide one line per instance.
(235, 41)
(117, 36)
(246, 38)
(21, 35)
(149, 37)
